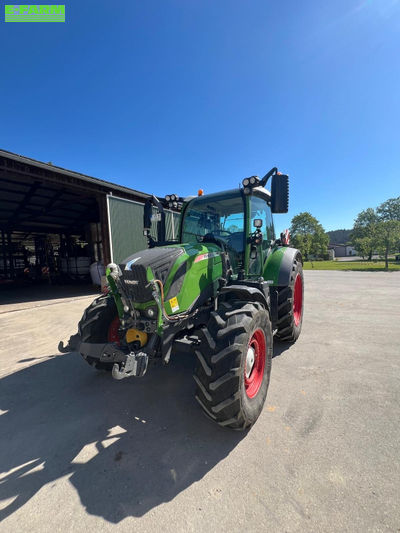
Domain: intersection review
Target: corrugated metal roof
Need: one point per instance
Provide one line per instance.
(108, 185)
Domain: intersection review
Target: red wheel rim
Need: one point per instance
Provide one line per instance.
(253, 373)
(298, 300)
(112, 335)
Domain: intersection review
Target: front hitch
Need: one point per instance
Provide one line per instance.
(125, 364)
(135, 365)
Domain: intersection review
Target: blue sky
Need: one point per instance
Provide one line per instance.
(172, 95)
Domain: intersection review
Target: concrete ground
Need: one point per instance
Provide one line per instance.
(81, 452)
(29, 296)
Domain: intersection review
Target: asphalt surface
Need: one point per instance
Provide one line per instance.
(81, 452)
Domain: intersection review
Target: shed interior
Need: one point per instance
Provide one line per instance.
(57, 227)
(50, 230)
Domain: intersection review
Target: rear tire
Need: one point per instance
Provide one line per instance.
(291, 305)
(224, 391)
(98, 325)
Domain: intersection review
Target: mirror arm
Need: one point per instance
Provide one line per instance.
(264, 180)
(256, 238)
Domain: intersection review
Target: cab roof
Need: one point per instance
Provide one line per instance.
(260, 191)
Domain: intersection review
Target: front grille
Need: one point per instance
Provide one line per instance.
(136, 285)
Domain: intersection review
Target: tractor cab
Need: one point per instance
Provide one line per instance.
(220, 219)
(240, 224)
(239, 221)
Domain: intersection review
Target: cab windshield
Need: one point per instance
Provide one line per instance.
(217, 218)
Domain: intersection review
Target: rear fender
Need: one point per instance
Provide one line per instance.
(277, 272)
(278, 266)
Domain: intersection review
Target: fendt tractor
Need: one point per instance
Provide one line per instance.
(222, 290)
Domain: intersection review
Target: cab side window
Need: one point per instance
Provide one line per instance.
(260, 209)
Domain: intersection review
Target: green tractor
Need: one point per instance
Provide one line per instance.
(221, 291)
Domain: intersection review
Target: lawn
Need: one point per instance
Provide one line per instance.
(373, 266)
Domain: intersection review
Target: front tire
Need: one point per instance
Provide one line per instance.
(99, 324)
(234, 364)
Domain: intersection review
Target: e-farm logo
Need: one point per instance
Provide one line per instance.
(34, 13)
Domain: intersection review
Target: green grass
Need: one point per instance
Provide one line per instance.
(371, 266)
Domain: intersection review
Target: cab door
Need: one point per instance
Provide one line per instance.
(260, 209)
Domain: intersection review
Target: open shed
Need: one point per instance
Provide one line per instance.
(56, 223)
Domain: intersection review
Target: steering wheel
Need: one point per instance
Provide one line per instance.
(210, 237)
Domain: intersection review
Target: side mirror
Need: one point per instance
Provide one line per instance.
(253, 252)
(280, 193)
(148, 211)
(257, 223)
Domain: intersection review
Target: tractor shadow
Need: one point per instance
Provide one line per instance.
(125, 446)
(280, 348)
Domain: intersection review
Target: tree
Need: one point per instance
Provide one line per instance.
(363, 246)
(389, 210)
(388, 228)
(388, 238)
(339, 236)
(378, 230)
(363, 236)
(302, 243)
(308, 235)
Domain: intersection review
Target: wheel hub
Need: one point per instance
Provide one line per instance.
(255, 363)
(250, 358)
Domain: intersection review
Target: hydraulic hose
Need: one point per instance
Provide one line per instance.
(168, 318)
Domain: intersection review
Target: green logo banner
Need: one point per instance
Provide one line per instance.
(34, 13)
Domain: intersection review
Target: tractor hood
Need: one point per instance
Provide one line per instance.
(172, 265)
(160, 259)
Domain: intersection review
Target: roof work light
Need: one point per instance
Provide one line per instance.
(172, 200)
(249, 183)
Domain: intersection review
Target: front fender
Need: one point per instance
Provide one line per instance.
(278, 266)
(246, 293)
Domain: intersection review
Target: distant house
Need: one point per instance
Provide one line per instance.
(342, 250)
